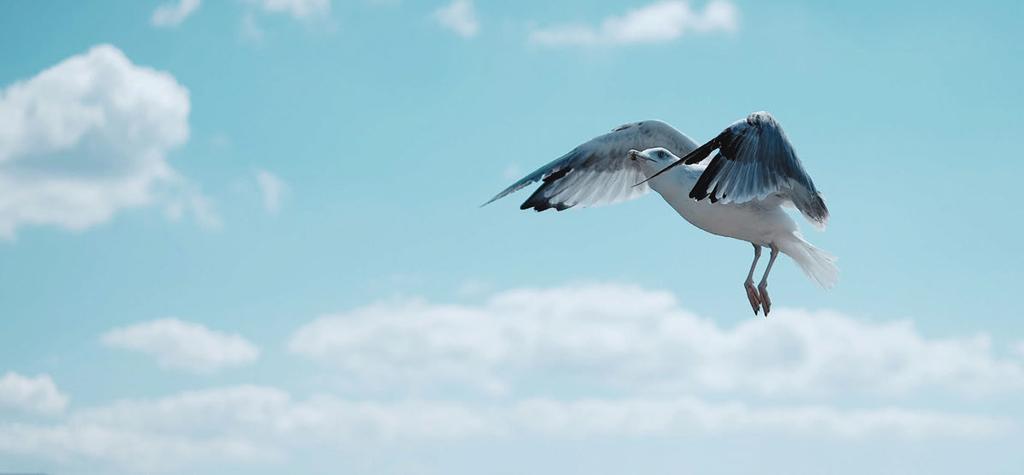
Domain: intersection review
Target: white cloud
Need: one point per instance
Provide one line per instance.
(270, 413)
(310, 12)
(36, 395)
(300, 9)
(460, 17)
(272, 190)
(184, 345)
(144, 452)
(617, 338)
(172, 14)
(87, 138)
(257, 424)
(572, 363)
(655, 23)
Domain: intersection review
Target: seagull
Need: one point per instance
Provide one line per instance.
(739, 193)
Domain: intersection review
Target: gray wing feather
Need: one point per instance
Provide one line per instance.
(756, 160)
(599, 171)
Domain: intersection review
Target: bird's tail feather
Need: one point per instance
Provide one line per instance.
(819, 265)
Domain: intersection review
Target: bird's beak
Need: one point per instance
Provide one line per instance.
(634, 155)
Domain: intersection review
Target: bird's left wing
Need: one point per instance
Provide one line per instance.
(599, 171)
(755, 160)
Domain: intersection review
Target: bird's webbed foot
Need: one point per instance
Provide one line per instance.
(766, 301)
(753, 297)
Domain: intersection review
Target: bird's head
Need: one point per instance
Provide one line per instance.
(653, 158)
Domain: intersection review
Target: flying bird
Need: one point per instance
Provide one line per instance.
(739, 193)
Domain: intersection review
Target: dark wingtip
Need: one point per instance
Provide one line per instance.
(819, 212)
(530, 205)
(538, 201)
(535, 202)
(700, 189)
(540, 206)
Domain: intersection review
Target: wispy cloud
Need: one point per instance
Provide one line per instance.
(258, 423)
(655, 23)
(300, 9)
(172, 14)
(272, 190)
(312, 13)
(618, 337)
(649, 369)
(460, 17)
(184, 345)
(36, 394)
(87, 138)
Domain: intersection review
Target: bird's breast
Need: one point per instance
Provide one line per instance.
(747, 221)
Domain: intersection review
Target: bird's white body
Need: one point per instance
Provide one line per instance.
(761, 222)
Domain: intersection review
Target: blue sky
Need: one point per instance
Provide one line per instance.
(244, 236)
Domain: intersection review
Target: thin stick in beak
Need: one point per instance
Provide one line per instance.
(698, 154)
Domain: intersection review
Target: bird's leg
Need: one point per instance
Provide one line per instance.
(762, 288)
(755, 300)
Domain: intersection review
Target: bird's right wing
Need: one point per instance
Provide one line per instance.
(599, 171)
(755, 159)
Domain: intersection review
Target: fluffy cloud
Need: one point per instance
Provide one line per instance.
(572, 363)
(35, 395)
(655, 23)
(459, 16)
(272, 190)
(256, 423)
(184, 345)
(172, 14)
(618, 338)
(87, 138)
